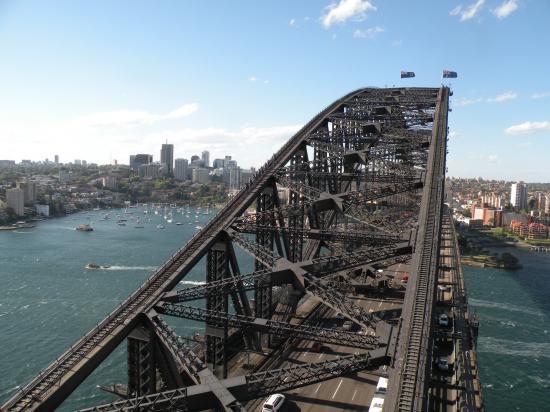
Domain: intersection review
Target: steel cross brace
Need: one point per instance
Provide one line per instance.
(283, 329)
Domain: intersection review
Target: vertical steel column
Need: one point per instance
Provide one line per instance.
(142, 375)
(296, 238)
(217, 268)
(262, 288)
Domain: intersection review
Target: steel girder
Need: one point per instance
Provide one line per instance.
(344, 235)
(250, 386)
(273, 327)
(322, 266)
(187, 360)
(263, 293)
(216, 343)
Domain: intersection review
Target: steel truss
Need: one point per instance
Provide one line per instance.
(345, 193)
(273, 327)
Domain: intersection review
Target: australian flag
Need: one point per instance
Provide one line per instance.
(406, 75)
(447, 74)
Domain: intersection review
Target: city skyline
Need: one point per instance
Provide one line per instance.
(246, 92)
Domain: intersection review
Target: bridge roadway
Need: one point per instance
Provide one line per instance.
(343, 393)
(61, 377)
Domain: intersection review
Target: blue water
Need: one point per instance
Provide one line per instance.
(514, 340)
(49, 299)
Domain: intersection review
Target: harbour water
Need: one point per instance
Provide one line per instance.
(48, 300)
(514, 337)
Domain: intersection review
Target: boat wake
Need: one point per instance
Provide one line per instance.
(130, 268)
(192, 282)
(513, 348)
(504, 306)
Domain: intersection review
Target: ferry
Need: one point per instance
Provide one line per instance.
(96, 266)
(160, 227)
(84, 228)
(23, 225)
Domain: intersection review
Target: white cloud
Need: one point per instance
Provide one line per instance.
(125, 118)
(456, 11)
(492, 158)
(528, 127)
(504, 97)
(346, 9)
(254, 79)
(505, 9)
(249, 145)
(540, 95)
(369, 33)
(397, 43)
(292, 23)
(467, 102)
(467, 12)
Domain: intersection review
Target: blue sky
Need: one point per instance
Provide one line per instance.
(101, 80)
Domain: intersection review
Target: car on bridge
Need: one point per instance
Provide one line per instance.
(443, 320)
(376, 404)
(273, 403)
(443, 364)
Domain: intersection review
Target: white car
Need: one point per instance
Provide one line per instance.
(443, 320)
(443, 364)
(376, 404)
(382, 386)
(273, 403)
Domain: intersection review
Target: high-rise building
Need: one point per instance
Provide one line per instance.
(518, 195)
(167, 157)
(180, 169)
(151, 170)
(200, 175)
(140, 159)
(56, 157)
(29, 191)
(235, 178)
(15, 198)
(218, 163)
(541, 201)
(64, 176)
(77, 162)
(110, 182)
(84, 163)
(205, 156)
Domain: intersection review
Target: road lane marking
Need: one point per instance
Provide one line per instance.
(320, 356)
(317, 390)
(354, 393)
(380, 304)
(338, 387)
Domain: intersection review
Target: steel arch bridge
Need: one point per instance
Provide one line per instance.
(359, 188)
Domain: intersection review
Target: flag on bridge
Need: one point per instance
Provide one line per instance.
(447, 74)
(406, 75)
